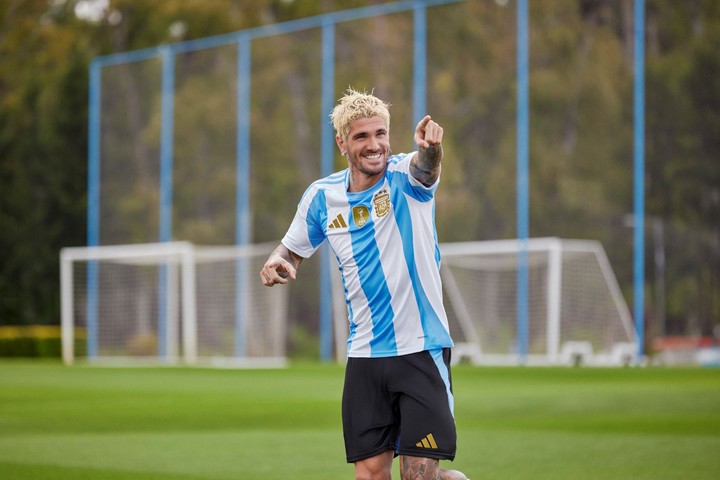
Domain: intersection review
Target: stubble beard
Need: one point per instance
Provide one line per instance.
(357, 163)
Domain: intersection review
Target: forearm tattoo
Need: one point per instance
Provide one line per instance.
(426, 166)
(282, 252)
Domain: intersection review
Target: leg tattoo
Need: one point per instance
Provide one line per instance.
(417, 468)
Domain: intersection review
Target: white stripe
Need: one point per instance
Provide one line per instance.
(408, 329)
(437, 355)
(421, 212)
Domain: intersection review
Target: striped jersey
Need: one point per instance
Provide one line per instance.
(385, 243)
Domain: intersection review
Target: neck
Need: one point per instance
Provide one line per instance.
(359, 182)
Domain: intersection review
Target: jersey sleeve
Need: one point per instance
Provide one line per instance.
(307, 231)
(414, 187)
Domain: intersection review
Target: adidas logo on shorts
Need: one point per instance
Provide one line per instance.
(427, 442)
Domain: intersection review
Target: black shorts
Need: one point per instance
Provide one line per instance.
(399, 403)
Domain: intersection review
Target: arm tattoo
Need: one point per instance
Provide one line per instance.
(425, 167)
(283, 252)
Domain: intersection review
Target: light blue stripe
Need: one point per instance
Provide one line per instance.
(395, 159)
(373, 283)
(334, 179)
(437, 355)
(418, 192)
(429, 319)
(435, 236)
(316, 219)
(352, 327)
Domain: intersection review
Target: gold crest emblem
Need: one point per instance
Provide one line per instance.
(382, 203)
(360, 215)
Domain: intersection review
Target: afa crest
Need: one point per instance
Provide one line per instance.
(381, 200)
(360, 215)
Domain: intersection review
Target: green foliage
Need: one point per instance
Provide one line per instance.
(580, 137)
(43, 100)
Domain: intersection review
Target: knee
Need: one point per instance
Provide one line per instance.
(375, 468)
(372, 475)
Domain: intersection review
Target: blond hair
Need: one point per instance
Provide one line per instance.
(354, 105)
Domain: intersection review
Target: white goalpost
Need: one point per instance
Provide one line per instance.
(172, 303)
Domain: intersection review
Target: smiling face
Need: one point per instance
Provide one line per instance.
(367, 147)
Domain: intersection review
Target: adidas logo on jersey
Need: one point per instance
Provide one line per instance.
(427, 442)
(339, 222)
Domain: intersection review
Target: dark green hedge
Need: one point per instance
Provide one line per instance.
(36, 341)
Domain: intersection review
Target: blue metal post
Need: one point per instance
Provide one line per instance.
(419, 61)
(166, 188)
(523, 141)
(242, 172)
(639, 176)
(93, 227)
(166, 144)
(326, 165)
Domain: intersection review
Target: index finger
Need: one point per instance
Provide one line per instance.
(423, 123)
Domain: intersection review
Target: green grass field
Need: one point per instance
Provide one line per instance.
(78, 423)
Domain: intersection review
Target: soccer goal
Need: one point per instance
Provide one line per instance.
(575, 310)
(172, 303)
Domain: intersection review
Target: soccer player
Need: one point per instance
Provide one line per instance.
(378, 216)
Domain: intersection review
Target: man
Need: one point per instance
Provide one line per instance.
(378, 217)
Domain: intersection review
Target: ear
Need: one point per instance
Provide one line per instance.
(341, 145)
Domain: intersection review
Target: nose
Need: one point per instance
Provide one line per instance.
(374, 143)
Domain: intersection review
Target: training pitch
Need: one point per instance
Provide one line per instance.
(85, 422)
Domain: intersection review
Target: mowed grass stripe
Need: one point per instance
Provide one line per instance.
(217, 455)
(183, 423)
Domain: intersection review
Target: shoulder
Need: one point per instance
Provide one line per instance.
(399, 173)
(333, 182)
(400, 161)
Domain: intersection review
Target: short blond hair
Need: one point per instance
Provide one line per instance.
(354, 105)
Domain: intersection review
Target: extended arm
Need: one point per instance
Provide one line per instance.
(425, 165)
(280, 265)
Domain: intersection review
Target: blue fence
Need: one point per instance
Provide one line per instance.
(243, 43)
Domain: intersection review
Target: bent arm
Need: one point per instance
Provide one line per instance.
(280, 266)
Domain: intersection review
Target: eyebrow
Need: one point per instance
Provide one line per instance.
(365, 132)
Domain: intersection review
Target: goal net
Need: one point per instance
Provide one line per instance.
(172, 303)
(576, 312)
